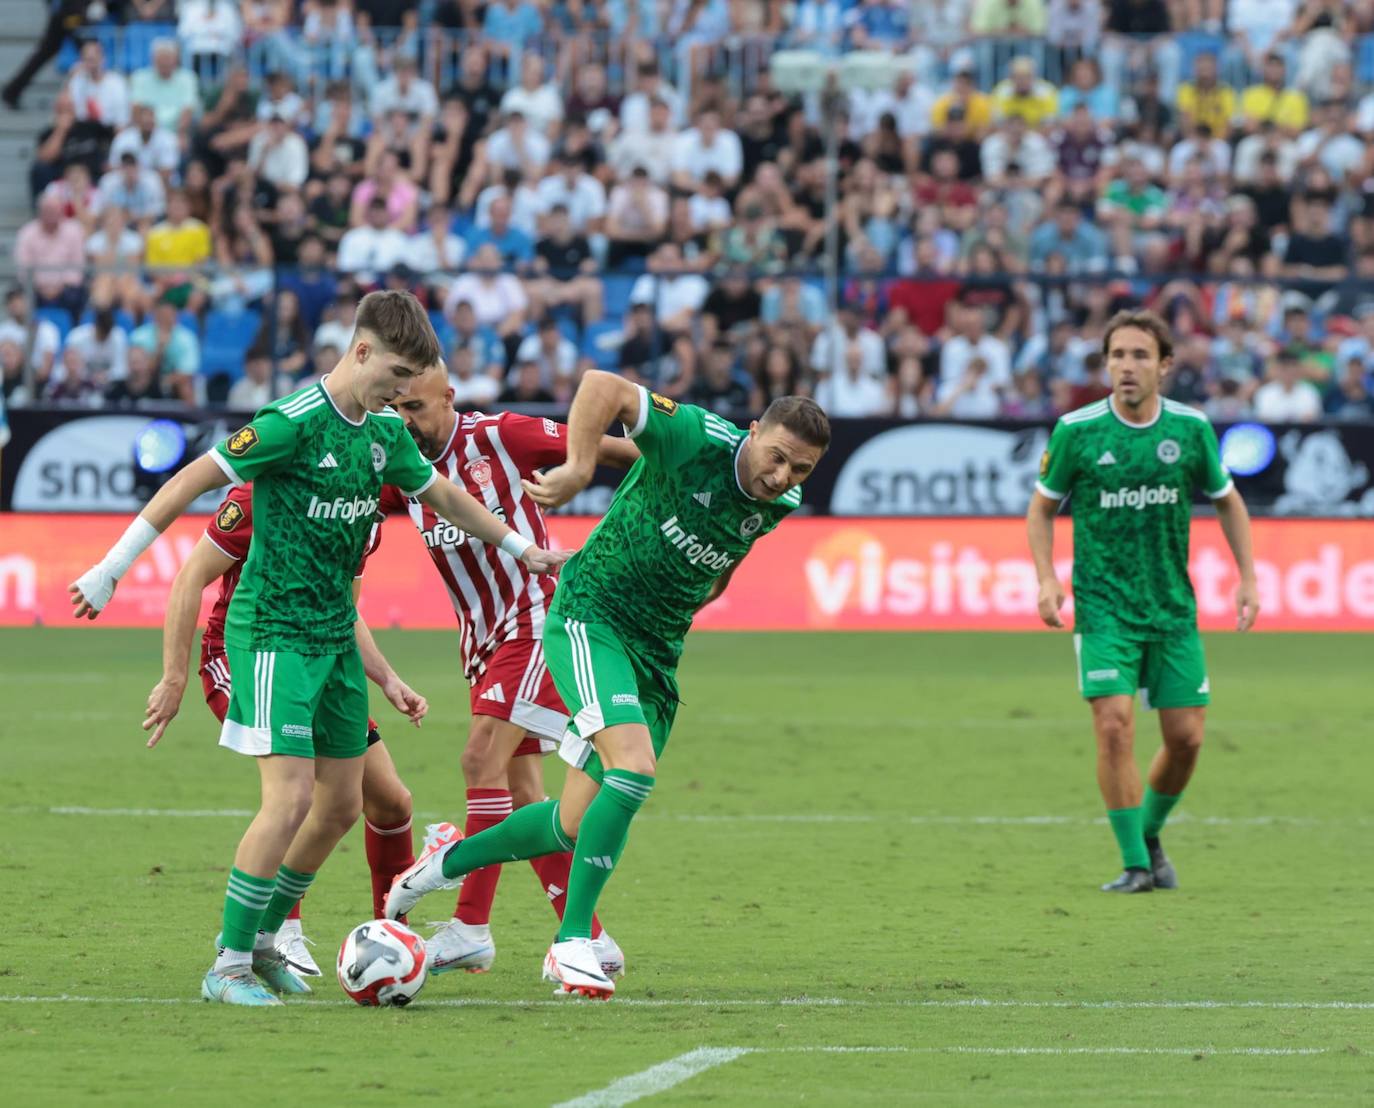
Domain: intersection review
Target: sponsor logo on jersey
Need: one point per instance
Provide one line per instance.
(230, 516)
(1107, 459)
(624, 699)
(328, 462)
(342, 508)
(242, 441)
(751, 525)
(1138, 498)
(378, 457)
(697, 551)
(663, 404)
(551, 428)
(702, 498)
(1168, 451)
(479, 469)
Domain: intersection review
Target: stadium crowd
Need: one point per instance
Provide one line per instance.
(618, 183)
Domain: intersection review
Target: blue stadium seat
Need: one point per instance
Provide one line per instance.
(228, 335)
(58, 317)
(1364, 60)
(442, 329)
(617, 288)
(568, 327)
(602, 342)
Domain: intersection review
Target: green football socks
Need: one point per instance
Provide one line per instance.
(244, 903)
(527, 832)
(1126, 826)
(600, 843)
(291, 886)
(1157, 809)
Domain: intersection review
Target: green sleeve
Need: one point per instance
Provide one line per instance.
(1213, 476)
(666, 432)
(406, 467)
(1056, 465)
(265, 444)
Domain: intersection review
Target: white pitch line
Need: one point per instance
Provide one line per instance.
(656, 1079)
(1052, 1051)
(747, 818)
(778, 1002)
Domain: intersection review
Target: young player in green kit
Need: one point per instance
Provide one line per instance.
(682, 520)
(1131, 464)
(318, 460)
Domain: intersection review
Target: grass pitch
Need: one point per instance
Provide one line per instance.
(868, 876)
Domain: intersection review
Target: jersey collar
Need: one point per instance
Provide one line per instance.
(335, 406)
(1159, 411)
(739, 450)
(457, 419)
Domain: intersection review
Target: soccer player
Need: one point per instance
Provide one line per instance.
(1132, 463)
(218, 557)
(516, 711)
(681, 521)
(318, 460)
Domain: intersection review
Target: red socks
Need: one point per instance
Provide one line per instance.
(553, 870)
(389, 853)
(295, 912)
(486, 808)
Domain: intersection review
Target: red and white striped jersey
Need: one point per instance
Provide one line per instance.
(494, 596)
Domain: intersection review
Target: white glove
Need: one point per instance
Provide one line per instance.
(97, 586)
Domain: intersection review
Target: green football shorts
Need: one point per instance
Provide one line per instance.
(304, 705)
(1169, 672)
(604, 683)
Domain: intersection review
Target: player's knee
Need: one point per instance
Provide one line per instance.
(1187, 741)
(1115, 732)
(641, 762)
(483, 767)
(389, 808)
(291, 806)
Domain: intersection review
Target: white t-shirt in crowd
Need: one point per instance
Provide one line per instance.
(493, 298)
(110, 357)
(502, 151)
(692, 156)
(367, 250)
(956, 354)
(419, 99)
(105, 100)
(1276, 404)
(828, 352)
(585, 199)
(858, 397)
(541, 107)
(47, 340)
(670, 295)
(158, 152)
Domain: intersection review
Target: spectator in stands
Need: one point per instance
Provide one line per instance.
(369, 250)
(525, 385)
(472, 389)
(498, 299)
(78, 195)
(94, 355)
(390, 184)
(155, 147)
(67, 140)
(177, 247)
(651, 148)
(553, 354)
(723, 386)
(677, 295)
(564, 271)
(1272, 101)
(65, 17)
(1024, 94)
(830, 352)
(850, 392)
(173, 92)
(1351, 397)
(535, 98)
(650, 86)
(1314, 251)
(282, 336)
(142, 384)
(329, 212)
(1205, 99)
(279, 97)
(1287, 397)
(963, 93)
(138, 192)
(707, 146)
(1214, 153)
(115, 255)
(1067, 234)
(732, 310)
(517, 146)
(1086, 86)
(436, 249)
(13, 389)
(278, 155)
(406, 91)
(514, 246)
(754, 240)
(1330, 143)
(258, 386)
(48, 252)
(970, 340)
(582, 196)
(175, 350)
(636, 218)
(210, 31)
(1015, 143)
(484, 345)
(98, 94)
(229, 123)
(1133, 202)
(510, 25)
(1073, 26)
(40, 337)
(335, 331)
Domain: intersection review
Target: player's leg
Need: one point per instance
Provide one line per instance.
(1176, 683)
(387, 816)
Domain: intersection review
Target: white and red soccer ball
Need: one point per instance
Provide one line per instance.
(382, 963)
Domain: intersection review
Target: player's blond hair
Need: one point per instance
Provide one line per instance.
(401, 324)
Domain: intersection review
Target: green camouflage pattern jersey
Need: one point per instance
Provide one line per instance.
(678, 522)
(1132, 499)
(316, 479)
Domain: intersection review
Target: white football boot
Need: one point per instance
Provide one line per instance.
(427, 874)
(293, 946)
(460, 946)
(609, 954)
(574, 967)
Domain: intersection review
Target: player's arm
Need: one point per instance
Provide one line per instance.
(380, 672)
(93, 589)
(464, 511)
(616, 452)
(602, 399)
(207, 564)
(1056, 479)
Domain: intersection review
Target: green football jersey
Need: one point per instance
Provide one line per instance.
(1132, 498)
(679, 520)
(316, 482)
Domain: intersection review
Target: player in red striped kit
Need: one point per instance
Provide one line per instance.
(386, 801)
(516, 711)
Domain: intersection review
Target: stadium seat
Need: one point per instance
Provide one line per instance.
(617, 289)
(442, 329)
(228, 335)
(602, 343)
(58, 317)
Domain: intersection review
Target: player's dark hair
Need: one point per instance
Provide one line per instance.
(800, 415)
(1148, 322)
(401, 325)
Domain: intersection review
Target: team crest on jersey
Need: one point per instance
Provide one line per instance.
(479, 469)
(242, 441)
(378, 457)
(750, 526)
(663, 404)
(1168, 451)
(230, 516)
(1044, 463)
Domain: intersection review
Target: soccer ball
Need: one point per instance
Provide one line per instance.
(382, 963)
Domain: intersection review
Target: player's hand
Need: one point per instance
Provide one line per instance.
(1050, 601)
(163, 703)
(406, 700)
(557, 486)
(91, 592)
(538, 560)
(1247, 605)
